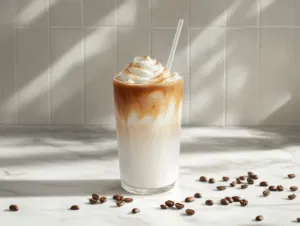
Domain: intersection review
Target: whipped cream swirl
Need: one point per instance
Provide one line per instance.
(146, 70)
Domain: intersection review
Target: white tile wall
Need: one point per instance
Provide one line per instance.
(239, 58)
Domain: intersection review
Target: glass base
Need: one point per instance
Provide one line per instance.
(147, 191)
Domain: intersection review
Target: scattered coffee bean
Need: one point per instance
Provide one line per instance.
(120, 203)
(294, 188)
(179, 206)
(229, 199)
(189, 199)
(232, 184)
(254, 177)
(163, 206)
(211, 180)
(266, 193)
(291, 197)
(221, 188)
(135, 210)
(280, 188)
(93, 201)
(236, 198)
(250, 181)
(264, 184)
(74, 207)
(225, 178)
(242, 177)
(209, 202)
(203, 179)
(103, 199)
(117, 197)
(244, 202)
(291, 175)
(272, 188)
(95, 197)
(259, 218)
(298, 219)
(128, 200)
(169, 203)
(244, 186)
(190, 212)
(197, 195)
(13, 208)
(238, 180)
(224, 202)
(250, 173)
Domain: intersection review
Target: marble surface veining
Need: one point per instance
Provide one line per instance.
(45, 171)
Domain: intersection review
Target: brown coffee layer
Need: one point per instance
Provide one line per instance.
(146, 99)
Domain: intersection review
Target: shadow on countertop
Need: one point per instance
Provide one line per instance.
(32, 188)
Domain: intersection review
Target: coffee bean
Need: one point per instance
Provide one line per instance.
(221, 188)
(280, 188)
(169, 203)
(95, 197)
(189, 199)
(238, 180)
(259, 218)
(294, 188)
(117, 197)
(236, 198)
(232, 184)
(263, 184)
(163, 206)
(291, 175)
(250, 181)
(254, 177)
(250, 173)
(197, 195)
(224, 202)
(190, 212)
(13, 208)
(225, 178)
(128, 200)
(291, 197)
(298, 219)
(74, 207)
(242, 177)
(244, 202)
(272, 188)
(229, 199)
(179, 206)
(209, 202)
(211, 180)
(120, 203)
(93, 201)
(103, 199)
(135, 210)
(203, 179)
(244, 186)
(266, 193)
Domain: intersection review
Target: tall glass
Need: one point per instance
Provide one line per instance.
(148, 118)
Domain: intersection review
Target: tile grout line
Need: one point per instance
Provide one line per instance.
(190, 65)
(257, 86)
(225, 68)
(16, 92)
(117, 20)
(83, 60)
(50, 65)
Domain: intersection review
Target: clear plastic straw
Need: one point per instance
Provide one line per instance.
(174, 45)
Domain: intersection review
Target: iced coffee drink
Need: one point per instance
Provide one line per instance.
(148, 102)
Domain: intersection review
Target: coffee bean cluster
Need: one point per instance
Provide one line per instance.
(178, 205)
(97, 199)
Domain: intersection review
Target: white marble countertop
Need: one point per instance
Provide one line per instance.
(45, 171)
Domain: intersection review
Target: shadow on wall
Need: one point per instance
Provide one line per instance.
(91, 87)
